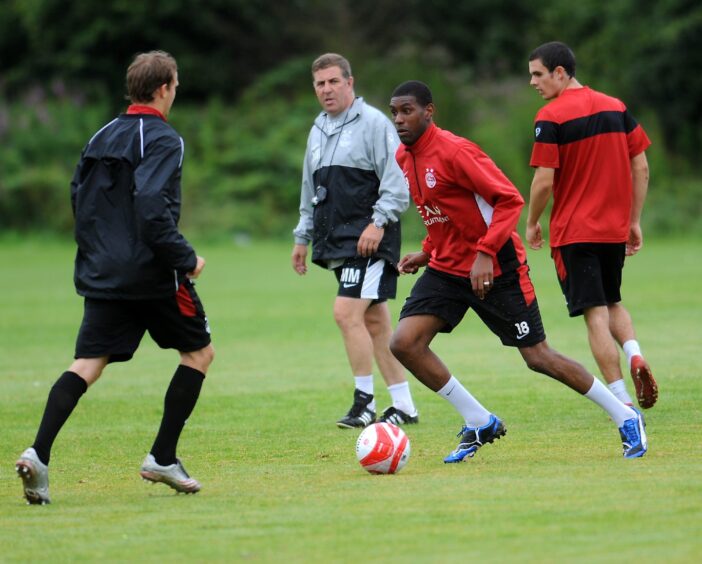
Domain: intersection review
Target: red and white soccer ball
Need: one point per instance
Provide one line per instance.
(383, 448)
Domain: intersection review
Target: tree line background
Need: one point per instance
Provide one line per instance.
(245, 103)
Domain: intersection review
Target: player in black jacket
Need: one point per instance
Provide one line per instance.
(135, 271)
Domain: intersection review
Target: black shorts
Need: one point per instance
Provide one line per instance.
(114, 328)
(367, 278)
(590, 274)
(510, 309)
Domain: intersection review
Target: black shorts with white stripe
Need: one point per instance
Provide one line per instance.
(367, 278)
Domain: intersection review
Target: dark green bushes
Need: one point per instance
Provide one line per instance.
(243, 158)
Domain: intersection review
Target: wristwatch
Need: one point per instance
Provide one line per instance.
(380, 223)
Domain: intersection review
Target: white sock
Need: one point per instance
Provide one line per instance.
(365, 384)
(402, 398)
(606, 400)
(618, 388)
(474, 414)
(631, 348)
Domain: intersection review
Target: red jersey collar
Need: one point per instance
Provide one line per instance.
(423, 140)
(141, 109)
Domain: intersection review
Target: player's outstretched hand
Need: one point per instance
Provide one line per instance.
(411, 263)
(198, 268)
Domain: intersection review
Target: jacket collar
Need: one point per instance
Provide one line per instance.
(424, 140)
(325, 122)
(142, 109)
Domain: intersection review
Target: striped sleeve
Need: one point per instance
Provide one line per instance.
(636, 138)
(545, 150)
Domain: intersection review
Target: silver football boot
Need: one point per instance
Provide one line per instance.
(35, 477)
(173, 475)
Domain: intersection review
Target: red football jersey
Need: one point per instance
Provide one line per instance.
(590, 139)
(466, 202)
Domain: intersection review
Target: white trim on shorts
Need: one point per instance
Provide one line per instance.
(372, 278)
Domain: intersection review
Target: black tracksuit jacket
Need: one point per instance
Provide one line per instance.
(126, 202)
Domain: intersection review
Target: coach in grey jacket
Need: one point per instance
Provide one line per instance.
(353, 193)
(367, 186)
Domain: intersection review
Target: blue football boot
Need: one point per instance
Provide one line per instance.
(633, 434)
(472, 438)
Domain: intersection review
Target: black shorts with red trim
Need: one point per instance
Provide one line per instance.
(510, 309)
(590, 274)
(114, 328)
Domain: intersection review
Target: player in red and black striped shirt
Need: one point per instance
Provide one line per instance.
(589, 153)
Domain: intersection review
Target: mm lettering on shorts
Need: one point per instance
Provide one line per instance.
(350, 276)
(522, 329)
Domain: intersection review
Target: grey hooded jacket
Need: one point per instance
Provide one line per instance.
(350, 178)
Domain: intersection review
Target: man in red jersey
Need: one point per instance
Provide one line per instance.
(475, 259)
(589, 153)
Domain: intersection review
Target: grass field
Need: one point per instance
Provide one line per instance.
(281, 482)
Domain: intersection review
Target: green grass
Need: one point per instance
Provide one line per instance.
(281, 482)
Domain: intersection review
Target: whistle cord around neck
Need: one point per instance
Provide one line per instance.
(321, 150)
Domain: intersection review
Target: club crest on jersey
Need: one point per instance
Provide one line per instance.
(429, 178)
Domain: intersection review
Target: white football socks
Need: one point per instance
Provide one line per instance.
(631, 348)
(607, 401)
(365, 384)
(474, 414)
(402, 398)
(618, 388)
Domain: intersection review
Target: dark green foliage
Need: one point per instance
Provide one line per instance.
(221, 45)
(41, 140)
(245, 103)
(243, 165)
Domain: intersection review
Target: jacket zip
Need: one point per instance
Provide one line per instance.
(416, 176)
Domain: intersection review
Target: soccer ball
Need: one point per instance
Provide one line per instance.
(383, 448)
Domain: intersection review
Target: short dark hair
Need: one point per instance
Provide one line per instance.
(332, 60)
(555, 54)
(414, 88)
(147, 72)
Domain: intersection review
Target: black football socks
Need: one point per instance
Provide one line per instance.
(63, 397)
(178, 404)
